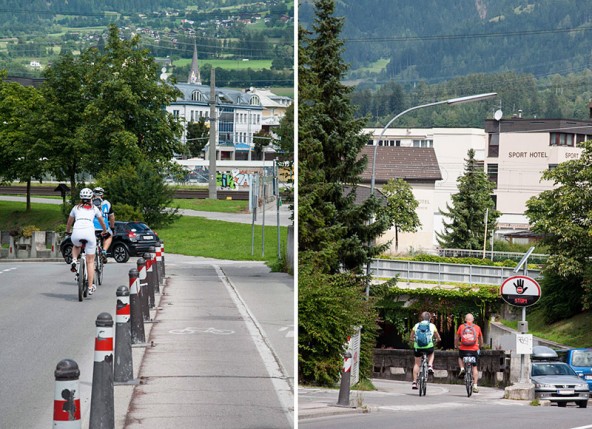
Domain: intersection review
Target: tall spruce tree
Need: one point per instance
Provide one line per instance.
(466, 228)
(335, 232)
(331, 224)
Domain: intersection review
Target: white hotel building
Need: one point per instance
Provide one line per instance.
(514, 153)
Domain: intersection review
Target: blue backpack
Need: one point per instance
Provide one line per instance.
(423, 335)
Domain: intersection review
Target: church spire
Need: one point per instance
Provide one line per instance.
(194, 76)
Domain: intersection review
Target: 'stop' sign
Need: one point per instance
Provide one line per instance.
(520, 291)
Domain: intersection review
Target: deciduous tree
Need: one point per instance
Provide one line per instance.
(401, 207)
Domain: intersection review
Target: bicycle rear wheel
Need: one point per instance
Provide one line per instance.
(423, 378)
(469, 380)
(99, 267)
(81, 275)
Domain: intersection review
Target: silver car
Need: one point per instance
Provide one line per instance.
(556, 382)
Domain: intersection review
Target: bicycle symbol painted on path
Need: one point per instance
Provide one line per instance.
(202, 331)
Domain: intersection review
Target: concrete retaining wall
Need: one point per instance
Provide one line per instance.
(41, 244)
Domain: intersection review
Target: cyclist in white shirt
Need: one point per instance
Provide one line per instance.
(82, 217)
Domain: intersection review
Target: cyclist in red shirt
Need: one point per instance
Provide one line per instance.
(468, 340)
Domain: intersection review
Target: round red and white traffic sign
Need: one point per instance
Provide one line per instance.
(520, 291)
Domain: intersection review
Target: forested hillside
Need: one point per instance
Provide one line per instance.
(436, 40)
(536, 54)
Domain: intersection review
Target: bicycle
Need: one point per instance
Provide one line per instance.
(422, 378)
(99, 265)
(469, 362)
(82, 273)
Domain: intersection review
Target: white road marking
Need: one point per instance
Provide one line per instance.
(278, 374)
(202, 330)
(290, 329)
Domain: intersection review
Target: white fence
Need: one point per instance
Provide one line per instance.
(442, 272)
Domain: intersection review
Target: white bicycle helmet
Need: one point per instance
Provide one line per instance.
(99, 191)
(86, 194)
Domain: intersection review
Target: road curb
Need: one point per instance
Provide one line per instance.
(4, 260)
(326, 410)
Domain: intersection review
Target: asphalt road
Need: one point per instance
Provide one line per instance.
(444, 407)
(42, 322)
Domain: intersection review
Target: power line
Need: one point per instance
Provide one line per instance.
(464, 36)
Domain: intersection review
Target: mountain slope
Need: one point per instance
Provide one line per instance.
(433, 40)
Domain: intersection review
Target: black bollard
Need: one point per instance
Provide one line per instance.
(136, 318)
(66, 403)
(343, 400)
(143, 290)
(102, 401)
(123, 372)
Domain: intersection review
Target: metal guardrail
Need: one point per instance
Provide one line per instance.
(442, 272)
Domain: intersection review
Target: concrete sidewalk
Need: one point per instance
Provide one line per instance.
(210, 364)
(389, 395)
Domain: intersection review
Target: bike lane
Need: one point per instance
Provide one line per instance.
(210, 366)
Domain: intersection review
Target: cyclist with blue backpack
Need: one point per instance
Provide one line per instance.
(108, 217)
(422, 337)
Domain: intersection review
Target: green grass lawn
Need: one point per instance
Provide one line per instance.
(45, 216)
(210, 205)
(376, 67)
(194, 236)
(573, 332)
(229, 64)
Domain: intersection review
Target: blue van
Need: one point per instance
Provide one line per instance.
(581, 362)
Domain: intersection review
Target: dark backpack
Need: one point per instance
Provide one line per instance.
(468, 335)
(423, 335)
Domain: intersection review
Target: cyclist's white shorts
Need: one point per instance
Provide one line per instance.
(87, 234)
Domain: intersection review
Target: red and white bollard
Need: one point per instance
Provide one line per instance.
(102, 403)
(66, 404)
(143, 290)
(159, 267)
(137, 320)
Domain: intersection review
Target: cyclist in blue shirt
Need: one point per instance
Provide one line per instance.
(108, 216)
(427, 348)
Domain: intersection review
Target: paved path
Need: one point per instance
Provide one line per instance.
(213, 365)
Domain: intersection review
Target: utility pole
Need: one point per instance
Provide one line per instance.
(212, 152)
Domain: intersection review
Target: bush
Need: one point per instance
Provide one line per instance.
(142, 187)
(329, 307)
(28, 230)
(125, 212)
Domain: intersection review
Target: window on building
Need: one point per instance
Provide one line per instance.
(493, 146)
(197, 96)
(552, 166)
(494, 199)
(581, 138)
(492, 170)
(561, 139)
(423, 143)
(176, 114)
(254, 101)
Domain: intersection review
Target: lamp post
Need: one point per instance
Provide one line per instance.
(459, 100)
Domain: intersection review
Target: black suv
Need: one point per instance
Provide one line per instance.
(129, 239)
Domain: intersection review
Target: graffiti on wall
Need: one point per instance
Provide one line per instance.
(234, 179)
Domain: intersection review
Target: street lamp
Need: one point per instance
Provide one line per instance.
(459, 100)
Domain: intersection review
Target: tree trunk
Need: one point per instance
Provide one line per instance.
(28, 195)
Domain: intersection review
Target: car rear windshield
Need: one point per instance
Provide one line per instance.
(581, 358)
(554, 368)
(138, 227)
